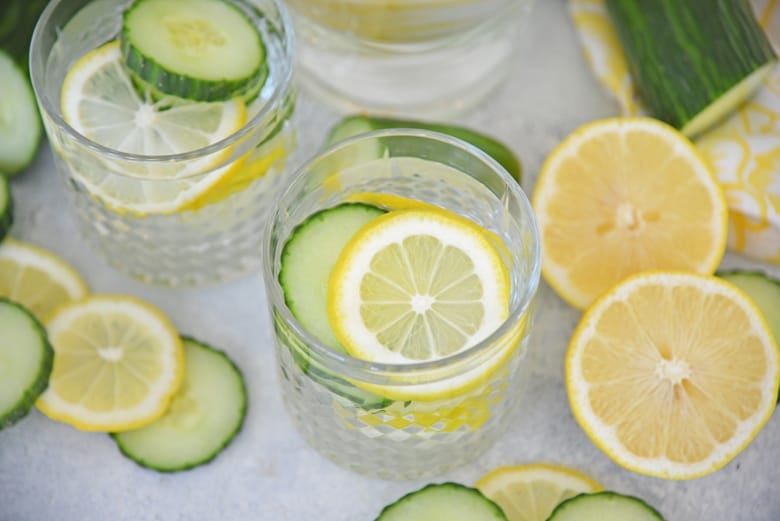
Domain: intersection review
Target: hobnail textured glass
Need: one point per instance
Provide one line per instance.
(179, 246)
(325, 391)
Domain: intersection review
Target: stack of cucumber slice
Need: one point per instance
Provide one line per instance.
(200, 50)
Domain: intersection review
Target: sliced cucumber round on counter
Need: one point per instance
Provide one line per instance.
(443, 501)
(693, 62)
(354, 125)
(204, 50)
(765, 293)
(307, 260)
(20, 124)
(203, 418)
(6, 208)
(26, 359)
(604, 506)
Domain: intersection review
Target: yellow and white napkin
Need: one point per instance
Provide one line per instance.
(744, 150)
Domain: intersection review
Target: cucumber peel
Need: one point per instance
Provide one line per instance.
(26, 360)
(693, 62)
(358, 124)
(443, 501)
(604, 506)
(6, 207)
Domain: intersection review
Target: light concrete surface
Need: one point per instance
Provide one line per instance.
(49, 471)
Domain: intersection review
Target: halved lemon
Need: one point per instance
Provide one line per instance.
(117, 363)
(100, 101)
(672, 374)
(418, 285)
(531, 492)
(37, 279)
(624, 195)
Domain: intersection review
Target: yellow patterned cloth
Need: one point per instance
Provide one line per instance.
(744, 150)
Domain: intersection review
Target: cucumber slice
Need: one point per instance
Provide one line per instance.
(354, 125)
(204, 416)
(765, 292)
(443, 501)
(6, 208)
(203, 50)
(20, 125)
(26, 359)
(308, 258)
(604, 506)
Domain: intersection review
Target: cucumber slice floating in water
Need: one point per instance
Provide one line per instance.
(354, 125)
(26, 359)
(20, 125)
(6, 208)
(308, 258)
(204, 50)
(443, 501)
(604, 506)
(204, 416)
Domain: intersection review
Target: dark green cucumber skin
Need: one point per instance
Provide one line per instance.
(604, 495)
(497, 514)
(17, 21)
(495, 149)
(117, 437)
(685, 54)
(26, 402)
(146, 69)
(758, 274)
(7, 210)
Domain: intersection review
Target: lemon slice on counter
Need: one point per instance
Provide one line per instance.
(117, 363)
(531, 492)
(100, 101)
(624, 195)
(672, 374)
(37, 279)
(418, 285)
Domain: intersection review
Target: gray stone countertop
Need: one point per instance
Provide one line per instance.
(49, 471)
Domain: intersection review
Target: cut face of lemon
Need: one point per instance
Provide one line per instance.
(37, 279)
(100, 101)
(531, 492)
(417, 285)
(672, 374)
(117, 363)
(625, 195)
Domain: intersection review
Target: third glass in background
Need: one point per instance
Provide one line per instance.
(425, 58)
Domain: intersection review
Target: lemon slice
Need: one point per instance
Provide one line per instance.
(624, 195)
(531, 492)
(672, 374)
(117, 363)
(37, 279)
(418, 285)
(100, 102)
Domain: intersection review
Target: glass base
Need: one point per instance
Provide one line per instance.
(430, 79)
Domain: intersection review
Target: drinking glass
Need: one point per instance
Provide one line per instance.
(425, 58)
(213, 236)
(334, 399)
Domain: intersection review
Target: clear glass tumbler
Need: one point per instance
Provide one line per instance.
(181, 219)
(333, 398)
(430, 58)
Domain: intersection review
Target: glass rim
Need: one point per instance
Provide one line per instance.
(38, 75)
(365, 370)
